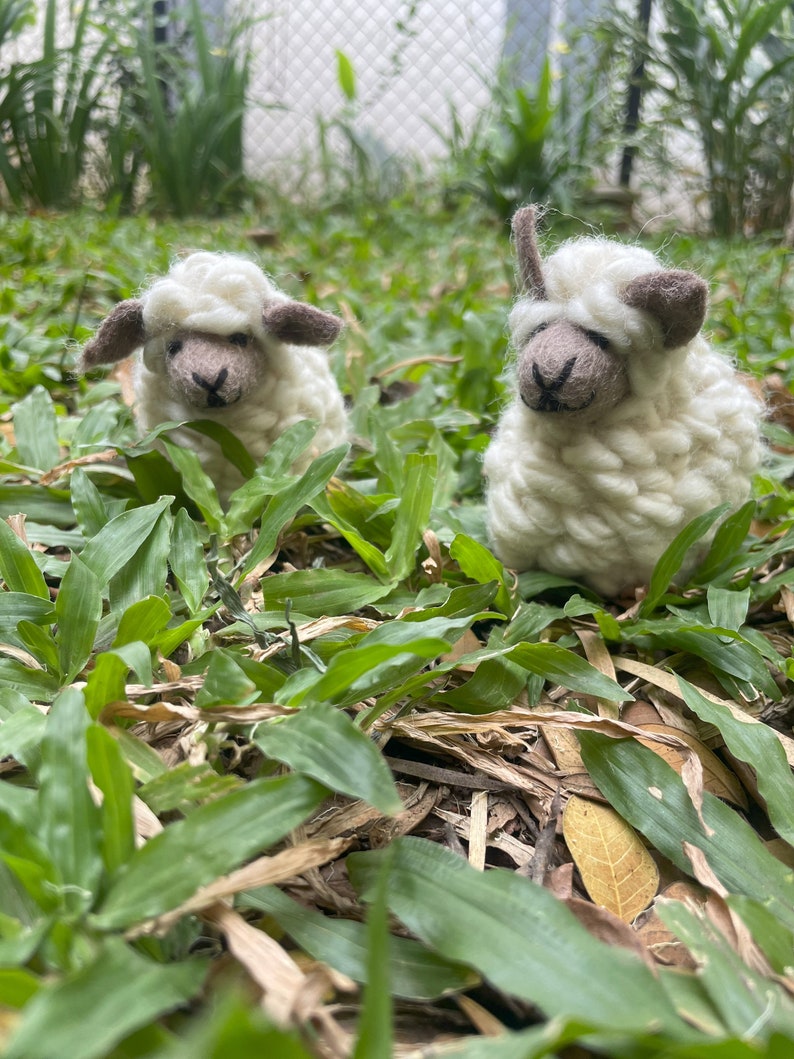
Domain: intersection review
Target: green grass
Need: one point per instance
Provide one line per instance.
(253, 760)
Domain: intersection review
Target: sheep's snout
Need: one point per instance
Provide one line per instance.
(564, 368)
(211, 371)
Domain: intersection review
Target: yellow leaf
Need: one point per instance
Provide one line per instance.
(616, 868)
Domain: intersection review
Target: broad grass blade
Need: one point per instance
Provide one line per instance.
(673, 556)
(758, 745)
(415, 971)
(18, 568)
(322, 742)
(70, 822)
(519, 936)
(648, 793)
(119, 540)
(210, 842)
(78, 609)
(91, 1010)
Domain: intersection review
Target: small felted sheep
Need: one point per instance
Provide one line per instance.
(626, 424)
(221, 342)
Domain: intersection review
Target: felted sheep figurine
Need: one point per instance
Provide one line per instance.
(221, 342)
(626, 424)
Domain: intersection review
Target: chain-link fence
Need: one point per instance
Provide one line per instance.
(415, 63)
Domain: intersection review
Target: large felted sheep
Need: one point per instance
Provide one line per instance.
(626, 424)
(219, 341)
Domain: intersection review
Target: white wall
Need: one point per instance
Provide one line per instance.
(449, 52)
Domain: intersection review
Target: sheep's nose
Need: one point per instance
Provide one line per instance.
(215, 399)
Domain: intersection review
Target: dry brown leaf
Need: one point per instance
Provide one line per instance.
(660, 678)
(616, 868)
(598, 656)
(717, 778)
(564, 747)
(658, 939)
(179, 711)
(780, 849)
(608, 927)
(106, 456)
(265, 871)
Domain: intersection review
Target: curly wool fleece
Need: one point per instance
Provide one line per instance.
(223, 294)
(600, 500)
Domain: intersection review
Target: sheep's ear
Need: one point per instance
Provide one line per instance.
(530, 267)
(676, 298)
(118, 337)
(301, 324)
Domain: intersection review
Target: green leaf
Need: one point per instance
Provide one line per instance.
(750, 1005)
(70, 822)
(758, 746)
(197, 483)
(142, 621)
(113, 777)
(36, 430)
(87, 1013)
(283, 507)
(414, 970)
(650, 795)
(517, 934)
(728, 607)
(224, 683)
(412, 513)
(674, 554)
(213, 840)
(321, 592)
(21, 735)
(478, 563)
(89, 507)
(146, 576)
(323, 743)
(375, 1030)
(186, 560)
(78, 609)
(18, 568)
(728, 540)
(346, 76)
(119, 540)
(561, 666)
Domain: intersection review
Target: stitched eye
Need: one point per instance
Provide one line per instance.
(598, 339)
(538, 329)
(239, 338)
(173, 348)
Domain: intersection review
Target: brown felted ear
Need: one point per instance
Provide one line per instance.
(119, 335)
(301, 324)
(530, 267)
(676, 298)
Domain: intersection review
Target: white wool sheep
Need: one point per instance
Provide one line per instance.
(221, 342)
(626, 424)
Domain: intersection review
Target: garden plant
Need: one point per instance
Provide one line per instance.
(311, 773)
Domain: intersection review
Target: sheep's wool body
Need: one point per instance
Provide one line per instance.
(221, 294)
(600, 500)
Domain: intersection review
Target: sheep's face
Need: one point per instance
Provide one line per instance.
(598, 321)
(565, 369)
(212, 371)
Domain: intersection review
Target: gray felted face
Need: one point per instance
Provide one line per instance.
(564, 369)
(212, 371)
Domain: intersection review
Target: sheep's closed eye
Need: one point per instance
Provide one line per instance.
(173, 347)
(598, 339)
(239, 338)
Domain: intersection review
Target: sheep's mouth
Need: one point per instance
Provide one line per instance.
(549, 403)
(547, 391)
(214, 397)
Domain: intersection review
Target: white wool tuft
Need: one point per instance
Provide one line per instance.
(220, 294)
(213, 293)
(600, 501)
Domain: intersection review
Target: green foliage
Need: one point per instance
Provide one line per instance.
(218, 723)
(721, 71)
(532, 143)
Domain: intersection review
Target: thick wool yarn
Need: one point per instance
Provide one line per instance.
(594, 485)
(264, 376)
